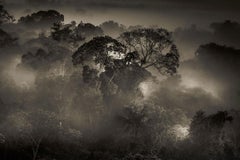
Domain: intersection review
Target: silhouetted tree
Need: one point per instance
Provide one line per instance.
(41, 59)
(112, 28)
(66, 33)
(206, 133)
(109, 57)
(42, 19)
(226, 33)
(88, 30)
(99, 51)
(218, 65)
(155, 48)
(131, 28)
(75, 34)
(122, 68)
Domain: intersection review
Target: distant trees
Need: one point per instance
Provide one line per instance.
(135, 126)
(219, 55)
(203, 127)
(135, 27)
(41, 60)
(58, 34)
(218, 66)
(226, 33)
(88, 30)
(28, 132)
(145, 128)
(73, 34)
(112, 28)
(208, 135)
(42, 125)
(28, 129)
(66, 33)
(42, 19)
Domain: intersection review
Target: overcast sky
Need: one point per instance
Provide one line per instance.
(167, 13)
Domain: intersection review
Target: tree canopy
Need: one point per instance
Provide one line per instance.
(122, 65)
(42, 18)
(137, 50)
(75, 34)
(100, 50)
(154, 47)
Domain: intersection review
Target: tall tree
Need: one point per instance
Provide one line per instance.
(155, 48)
(122, 66)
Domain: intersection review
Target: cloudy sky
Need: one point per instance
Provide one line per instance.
(167, 13)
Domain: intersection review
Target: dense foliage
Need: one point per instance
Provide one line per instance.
(72, 91)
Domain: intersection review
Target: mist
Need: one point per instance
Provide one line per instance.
(103, 80)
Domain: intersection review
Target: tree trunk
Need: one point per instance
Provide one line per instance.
(35, 150)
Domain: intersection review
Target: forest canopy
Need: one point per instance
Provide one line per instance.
(78, 90)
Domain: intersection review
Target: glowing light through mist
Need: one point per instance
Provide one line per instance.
(147, 88)
(181, 132)
(190, 82)
(21, 77)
